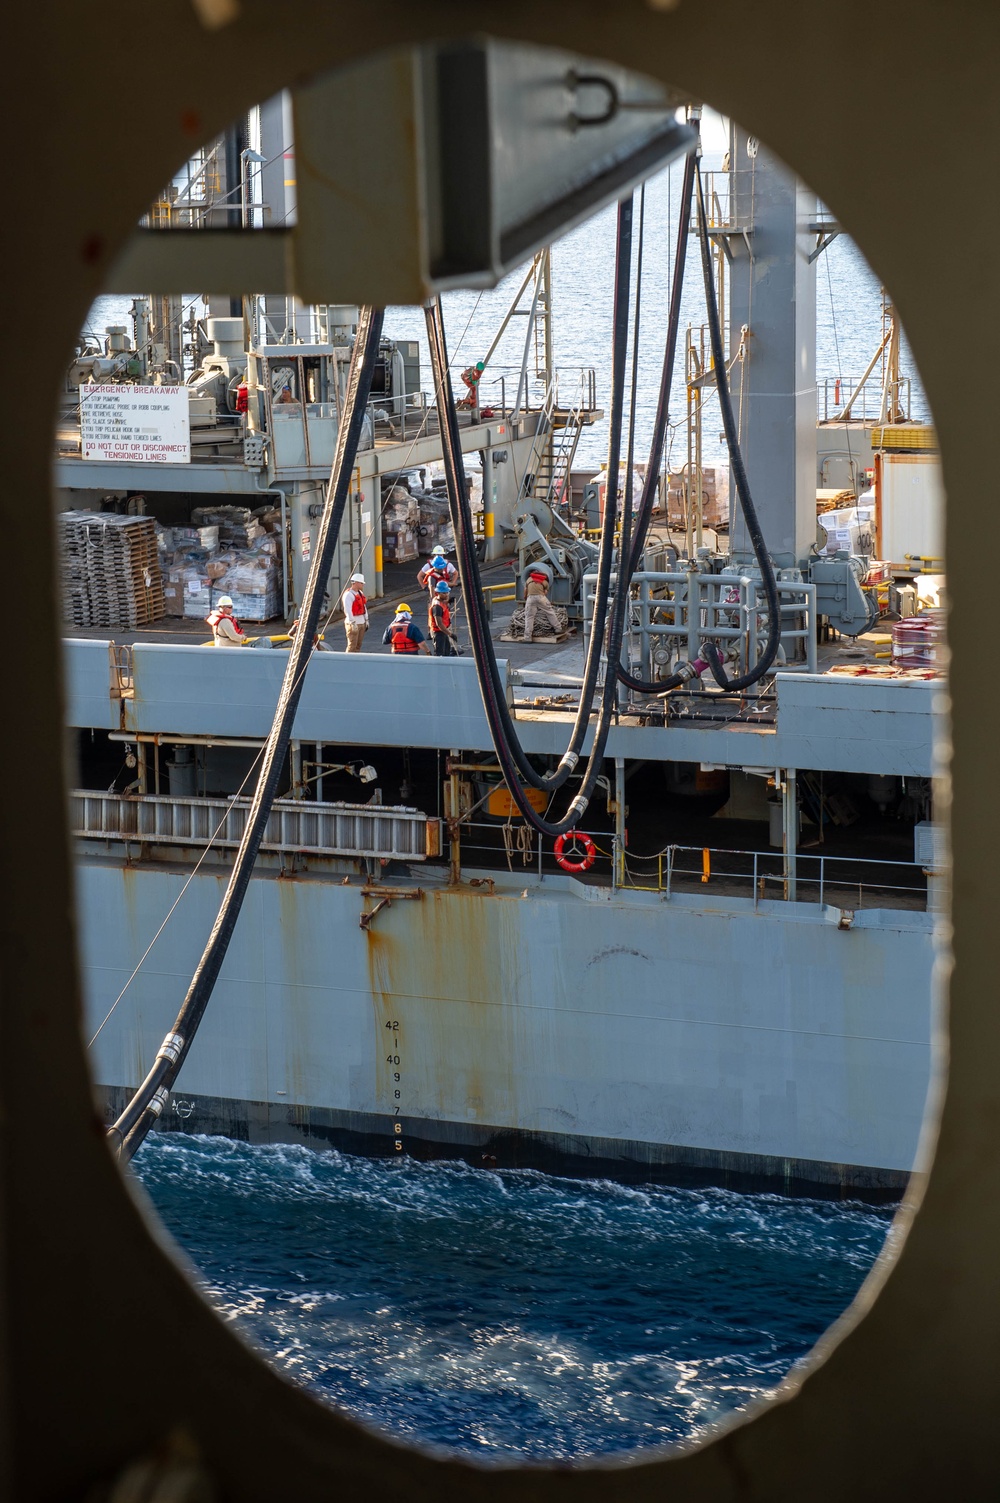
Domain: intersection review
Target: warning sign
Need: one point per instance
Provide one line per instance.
(141, 424)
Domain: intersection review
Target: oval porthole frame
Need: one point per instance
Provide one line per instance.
(140, 1357)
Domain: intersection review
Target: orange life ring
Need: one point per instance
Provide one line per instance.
(589, 851)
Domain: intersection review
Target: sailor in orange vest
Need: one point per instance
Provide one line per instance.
(439, 621)
(355, 612)
(226, 630)
(402, 635)
(436, 569)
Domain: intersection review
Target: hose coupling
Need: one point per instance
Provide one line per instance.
(158, 1102)
(171, 1047)
(569, 759)
(578, 804)
(692, 670)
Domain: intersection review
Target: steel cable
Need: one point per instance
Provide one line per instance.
(146, 1104)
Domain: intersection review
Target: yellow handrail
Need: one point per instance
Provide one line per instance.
(492, 589)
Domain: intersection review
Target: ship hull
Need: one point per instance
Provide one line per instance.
(541, 1024)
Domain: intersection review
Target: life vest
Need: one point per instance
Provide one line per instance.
(429, 576)
(217, 615)
(359, 605)
(440, 620)
(400, 639)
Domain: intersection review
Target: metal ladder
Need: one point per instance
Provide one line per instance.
(555, 459)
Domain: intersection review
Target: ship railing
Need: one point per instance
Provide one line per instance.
(296, 827)
(849, 883)
(846, 883)
(833, 392)
(407, 417)
(719, 206)
(415, 416)
(687, 608)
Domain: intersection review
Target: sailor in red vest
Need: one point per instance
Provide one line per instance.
(537, 603)
(471, 377)
(402, 635)
(226, 630)
(355, 612)
(439, 621)
(436, 569)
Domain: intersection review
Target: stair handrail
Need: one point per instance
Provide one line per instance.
(572, 426)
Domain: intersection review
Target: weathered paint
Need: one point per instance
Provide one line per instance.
(87, 667)
(699, 1026)
(824, 722)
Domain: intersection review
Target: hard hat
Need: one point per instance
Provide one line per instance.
(224, 600)
(360, 578)
(438, 560)
(442, 587)
(480, 365)
(403, 610)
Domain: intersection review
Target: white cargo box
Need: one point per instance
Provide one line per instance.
(912, 508)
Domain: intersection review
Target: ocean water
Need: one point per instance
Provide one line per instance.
(508, 1314)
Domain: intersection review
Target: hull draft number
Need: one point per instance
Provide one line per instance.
(582, 852)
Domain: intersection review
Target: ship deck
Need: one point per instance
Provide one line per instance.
(870, 651)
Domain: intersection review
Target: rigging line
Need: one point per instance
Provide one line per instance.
(633, 389)
(190, 879)
(369, 541)
(687, 670)
(413, 443)
(135, 1121)
(840, 369)
(191, 876)
(756, 672)
(648, 498)
(421, 430)
(505, 743)
(669, 290)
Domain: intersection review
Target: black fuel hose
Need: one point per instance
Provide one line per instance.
(712, 653)
(135, 1121)
(644, 511)
(515, 766)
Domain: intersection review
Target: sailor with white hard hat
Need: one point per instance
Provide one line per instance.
(355, 612)
(226, 630)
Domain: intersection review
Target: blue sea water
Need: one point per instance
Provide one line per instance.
(508, 1314)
